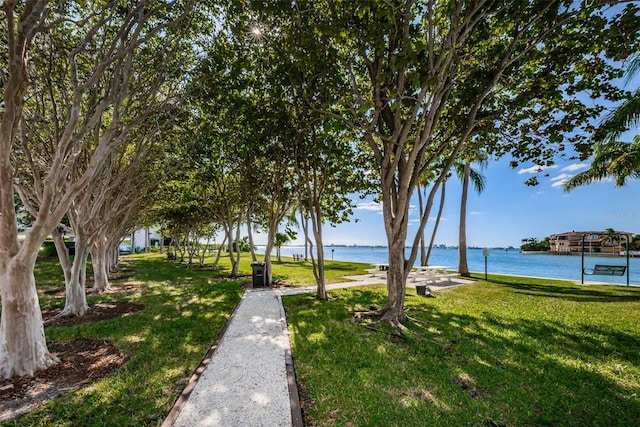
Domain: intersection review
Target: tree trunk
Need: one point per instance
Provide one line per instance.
(203, 254)
(23, 348)
(435, 226)
(217, 260)
(271, 235)
(75, 294)
(463, 267)
(308, 245)
(396, 281)
(114, 254)
(100, 272)
(63, 254)
(234, 262)
(316, 222)
(236, 266)
(254, 257)
(424, 257)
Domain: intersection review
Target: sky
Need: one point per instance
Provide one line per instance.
(508, 211)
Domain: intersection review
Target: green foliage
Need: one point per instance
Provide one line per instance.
(532, 244)
(616, 159)
(48, 249)
(242, 245)
(511, 351)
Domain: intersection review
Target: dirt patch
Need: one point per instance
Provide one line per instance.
(60, 293)
(97, 312)
(82, 361)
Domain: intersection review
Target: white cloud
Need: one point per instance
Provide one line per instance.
(535, 169)
(574, 167)
(475, 213)
(370, 206)
(559, 180)
(561, 177)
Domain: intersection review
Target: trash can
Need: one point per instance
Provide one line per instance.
(259, 274)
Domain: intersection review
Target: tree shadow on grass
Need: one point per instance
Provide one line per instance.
(565, 374)
(472, 368)
(184, 312)
(588, 293)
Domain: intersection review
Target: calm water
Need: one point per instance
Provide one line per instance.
(499, 261)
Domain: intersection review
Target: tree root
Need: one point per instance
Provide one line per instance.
(393, 334)
(373, 312)
(67, 313)
(98, 291)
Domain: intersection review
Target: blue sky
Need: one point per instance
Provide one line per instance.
(508, 210)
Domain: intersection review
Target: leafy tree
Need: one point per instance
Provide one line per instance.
(101, 71)
(610, 237)
(415, 68)
(533, 244)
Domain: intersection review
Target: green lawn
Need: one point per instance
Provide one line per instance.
(184, 311)
(514, 351)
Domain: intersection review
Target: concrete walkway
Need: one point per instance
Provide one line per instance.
(247, 378)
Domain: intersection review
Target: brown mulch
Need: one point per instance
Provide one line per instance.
(82, 361)
(60, 293)
(97, 312)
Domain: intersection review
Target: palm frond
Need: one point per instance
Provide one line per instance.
(622, 118)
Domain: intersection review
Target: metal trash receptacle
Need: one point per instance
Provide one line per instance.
(259, 274)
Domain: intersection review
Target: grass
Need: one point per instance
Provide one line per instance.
(510, 351)
(184, 311)
(300, 273)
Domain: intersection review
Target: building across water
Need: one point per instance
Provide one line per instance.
(595, 242)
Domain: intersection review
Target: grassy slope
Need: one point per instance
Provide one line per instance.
(516, 351)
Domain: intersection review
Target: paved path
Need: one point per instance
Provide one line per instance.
(247, 377)
(245, 382)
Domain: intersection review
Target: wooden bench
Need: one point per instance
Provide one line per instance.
(606, 270)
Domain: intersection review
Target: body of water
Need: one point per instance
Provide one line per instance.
(499, 261)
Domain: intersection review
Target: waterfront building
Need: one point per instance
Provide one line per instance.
(597, 242)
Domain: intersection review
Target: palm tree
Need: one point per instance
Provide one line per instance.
(466, 174)
(619, 160)
(612, 158)
(610, 237)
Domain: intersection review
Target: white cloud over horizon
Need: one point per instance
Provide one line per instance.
(535, 169)
(574, 167)
(369, 206)
(558, 181)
